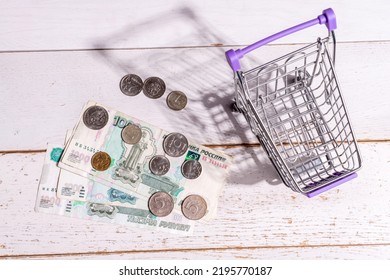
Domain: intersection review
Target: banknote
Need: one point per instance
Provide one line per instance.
(129, 170)
(76, 187)
(139, 217)
(72, 186)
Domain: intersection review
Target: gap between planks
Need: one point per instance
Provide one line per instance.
(103, 253)
(214, 45)
(226, 146)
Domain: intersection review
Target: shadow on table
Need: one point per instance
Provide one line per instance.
(203, 74)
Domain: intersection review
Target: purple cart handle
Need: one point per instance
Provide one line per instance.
(327, 17)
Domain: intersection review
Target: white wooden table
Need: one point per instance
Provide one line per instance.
(55, 56)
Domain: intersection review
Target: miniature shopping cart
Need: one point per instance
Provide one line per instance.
(294, 106)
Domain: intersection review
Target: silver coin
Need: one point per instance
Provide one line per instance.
(131, 134)
(194, 207)
(159, 165)
(131, 85)
(175, 144)
(160, 204)
(176, 100)
(95, 117)
(154, 87)
(191, 169)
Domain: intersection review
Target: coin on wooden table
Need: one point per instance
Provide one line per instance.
(191, 169)
(131, 85)
(159, 165)
(160, 204)
(194, 207)
(101, 161)
(175, 144)
(154, 87)
(131, 134)
(95, 117)
(176, 100)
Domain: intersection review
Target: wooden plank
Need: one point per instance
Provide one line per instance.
(255, 210)
(45, 91)
(366, 252)
(49, 25)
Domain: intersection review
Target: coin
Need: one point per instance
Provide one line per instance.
(160, 204)
(101, 161)
(175, 144)
(159, 165)
(154, 87)
(95, 117)
(191, 169)
(194, 207)
(131, 85)
(176, 100)
(131, 134)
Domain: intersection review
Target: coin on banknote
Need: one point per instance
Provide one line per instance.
(191, 169)
(194, 207)
(159, 165)
(176, 100)
(160, 204)
(175, 144)
(101, 161)
(131, 85)
(131, 134)
(154, 87)
(95, 117)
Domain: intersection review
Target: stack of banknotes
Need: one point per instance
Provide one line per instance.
(115, 168)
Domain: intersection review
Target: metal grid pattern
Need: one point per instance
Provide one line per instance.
(295, 108)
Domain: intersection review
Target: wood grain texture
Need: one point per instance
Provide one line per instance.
(55, 56)
(48, 25)
(44, 92)
(255, 210)
(344, 252)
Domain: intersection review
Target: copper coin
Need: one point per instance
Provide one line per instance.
(131, 85)
(101, 161)
(194, 207)
(175, 144)
(131, 134)
(160, 204)
(154, 87)
(95, 117)
(159, 165)
(191, 169)
(176, 100)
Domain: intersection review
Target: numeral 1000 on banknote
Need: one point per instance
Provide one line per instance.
(120, 122)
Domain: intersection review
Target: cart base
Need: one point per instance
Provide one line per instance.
(331, 186)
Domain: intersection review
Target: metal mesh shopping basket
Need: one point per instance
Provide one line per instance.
(294, 106)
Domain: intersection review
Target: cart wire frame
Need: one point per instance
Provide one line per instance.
(294, 106)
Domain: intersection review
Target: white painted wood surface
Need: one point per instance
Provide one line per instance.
(48, 25)
(344, 252)
(50, 89)
(54, 56)
(255, 211)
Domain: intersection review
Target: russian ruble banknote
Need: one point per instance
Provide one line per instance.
(123, 213)
(76, 187)
(72, 186)
(129, 170)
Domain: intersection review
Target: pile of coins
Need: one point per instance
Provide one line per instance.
(154, 88)
(160, 204)
(193, 207)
